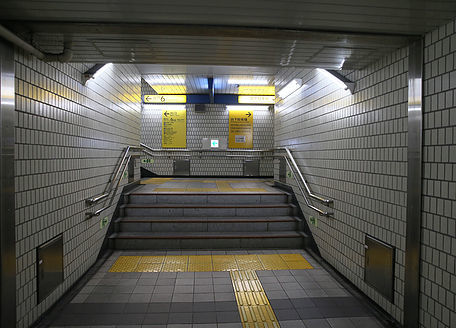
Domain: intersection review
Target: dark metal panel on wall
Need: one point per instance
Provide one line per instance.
(379, 266)
(414, 186)
(7, 209)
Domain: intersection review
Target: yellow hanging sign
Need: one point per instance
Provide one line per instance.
(268, 90)
(240, 129)
(174, 128)
(165, 99)
(266, 100)
(170, 89)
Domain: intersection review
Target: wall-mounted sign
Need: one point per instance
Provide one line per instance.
(214, 143)
(313, 221)
(256, 90)
(165, 99)
(240, 129)
(147, 161)
(170, 89)
(265, 100)
(174, 128)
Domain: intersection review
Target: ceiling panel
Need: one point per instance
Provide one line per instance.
(333, 34)
(387, 16)
(208, 50)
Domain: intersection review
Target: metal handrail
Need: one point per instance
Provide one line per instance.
(321, 212)
(99, 211)
(304, 182)
(107, 192)
(205, 150)
(150, 151)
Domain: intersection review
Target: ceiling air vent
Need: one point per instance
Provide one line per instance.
(200, 108)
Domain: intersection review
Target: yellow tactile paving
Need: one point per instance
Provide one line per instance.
(253, 304)
(272, 262)
(175, 264)
(224, 263)
(125, 264)
(224, 186)
(156, 180)
(199, 263)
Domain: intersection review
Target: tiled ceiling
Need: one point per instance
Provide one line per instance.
(286, 33)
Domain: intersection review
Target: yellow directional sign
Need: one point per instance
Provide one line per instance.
(240, 129)
(170, 89)
(266, 100)
(268, 90)
(174, 128)
(165, 99)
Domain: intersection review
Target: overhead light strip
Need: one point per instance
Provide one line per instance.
(291, 87)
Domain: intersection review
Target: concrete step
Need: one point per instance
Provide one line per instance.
(206, 198)
(207, 224)
(206, 210)
(207, 240)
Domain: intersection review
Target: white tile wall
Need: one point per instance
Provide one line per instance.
(352, 148)
(68, 140)
(211, 123)
(438, 250)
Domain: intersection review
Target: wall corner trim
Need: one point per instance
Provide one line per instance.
(414, 185)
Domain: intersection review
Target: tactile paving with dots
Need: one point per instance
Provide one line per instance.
(201, 263)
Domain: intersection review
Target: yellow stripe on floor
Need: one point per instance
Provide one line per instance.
(156, 180)
(253, 304)
(201, 263)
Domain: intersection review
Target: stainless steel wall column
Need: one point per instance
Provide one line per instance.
(414, 168)
(7, 208)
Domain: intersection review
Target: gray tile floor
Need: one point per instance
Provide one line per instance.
(299, 298)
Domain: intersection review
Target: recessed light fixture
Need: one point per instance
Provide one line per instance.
(291, 87)
(94, 71)
(248, 81)
(338, 78)
(247, 107)
(163, 106)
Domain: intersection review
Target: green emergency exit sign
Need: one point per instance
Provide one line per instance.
(313, 221)
(103, 222)
(147, 161)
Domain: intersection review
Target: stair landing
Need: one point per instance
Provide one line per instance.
(206, 185)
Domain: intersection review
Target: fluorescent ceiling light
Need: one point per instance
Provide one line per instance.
(160, 106)
(291, 87)
(339, 79)
(102, 70)
(94, 71)
(247, 107)
(248, 81)
(165, 80)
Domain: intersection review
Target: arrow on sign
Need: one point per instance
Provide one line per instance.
(166, 114)
(147, 98)
(249, 114)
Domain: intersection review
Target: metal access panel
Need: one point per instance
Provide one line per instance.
(49, 266)
(379, 266)
(251, 167)
(181, 167)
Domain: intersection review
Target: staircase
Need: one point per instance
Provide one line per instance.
(206, 221)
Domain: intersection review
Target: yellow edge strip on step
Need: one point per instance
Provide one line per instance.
(201, 263)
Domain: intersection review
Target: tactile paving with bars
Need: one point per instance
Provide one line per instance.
(253, 304)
